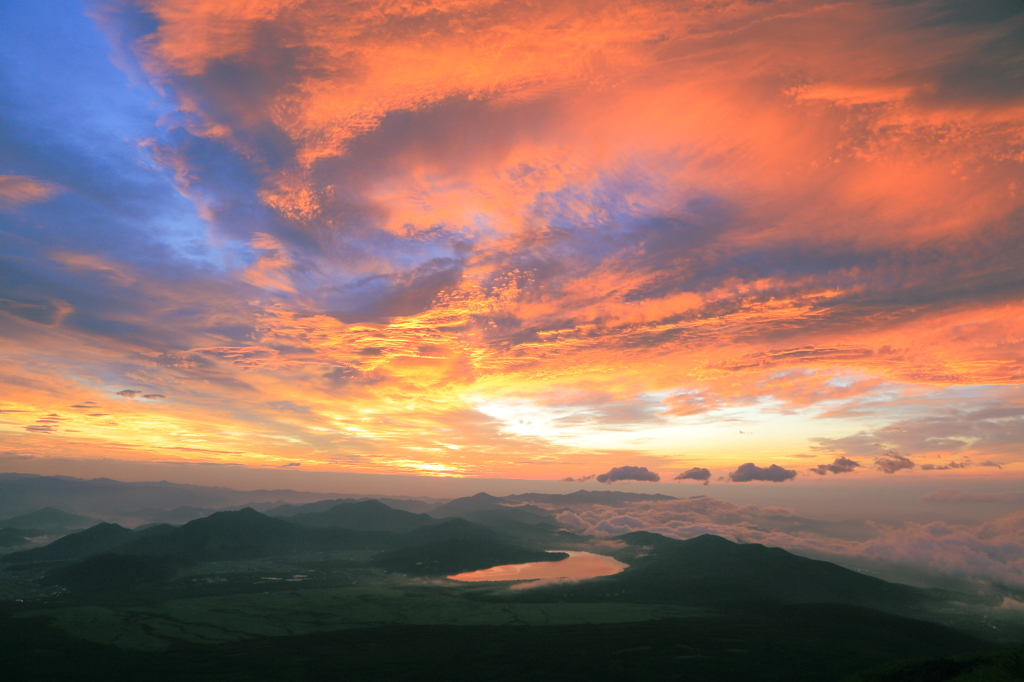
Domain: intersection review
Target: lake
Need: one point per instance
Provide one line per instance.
(578, 566)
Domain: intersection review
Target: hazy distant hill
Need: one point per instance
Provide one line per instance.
(14, 537)
(449, 529)
(455, 546)
(366, 515)
(609, 498)
(176, 516)
(458, 555)
(286, 511)
(102, 537)
(49, 518)
(21, 493)
(489, 510)
(247, 534)
(463, 505)
(289, 510)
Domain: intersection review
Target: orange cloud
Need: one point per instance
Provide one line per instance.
(485, 231)
(18, 190)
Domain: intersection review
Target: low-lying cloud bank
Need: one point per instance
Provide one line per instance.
(992, 552)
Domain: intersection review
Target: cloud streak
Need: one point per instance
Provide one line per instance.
(455, 239)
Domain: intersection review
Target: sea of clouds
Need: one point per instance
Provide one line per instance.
(988, 554)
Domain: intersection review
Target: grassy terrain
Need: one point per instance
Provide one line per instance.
(807, 643)
(236, 617)
(704, 609)
(1005, 666)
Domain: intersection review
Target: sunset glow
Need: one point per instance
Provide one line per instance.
(474, 238)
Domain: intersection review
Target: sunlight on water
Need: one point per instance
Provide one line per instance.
(579, 566)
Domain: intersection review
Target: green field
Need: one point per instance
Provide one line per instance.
(237, 617)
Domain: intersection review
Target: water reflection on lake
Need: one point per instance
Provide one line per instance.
(579, 566)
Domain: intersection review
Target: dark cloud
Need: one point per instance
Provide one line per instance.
(752, 472)
(129, 393)
(892, 461)
(290, 464)
(990, 463)
(581, 479)
(694, 474)
(945, 467)
(154, 396)
(628, 473)
(841, 465)
(35, 428)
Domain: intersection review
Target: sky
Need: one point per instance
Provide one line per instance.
(728, 243)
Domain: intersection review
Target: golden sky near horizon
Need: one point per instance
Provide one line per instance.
(516, 239)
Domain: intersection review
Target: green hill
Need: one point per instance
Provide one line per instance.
(49, 518)
(14, 537)
(247, 534)
(103, 537)
(458, 555)
(369, 515)
(712, 571)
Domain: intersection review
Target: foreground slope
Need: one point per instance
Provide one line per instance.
(812, 643)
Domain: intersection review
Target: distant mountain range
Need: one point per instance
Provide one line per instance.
(700, 571)
(414, 506)
(108, 499)
(49, 518)
(372, 515)
(248, 534)
(164, 502)
(608, 498)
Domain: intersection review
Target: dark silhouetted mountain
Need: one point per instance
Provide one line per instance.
(14, 537)
(458, 555)
(111, 573)
(451, 529)
(21, 493)
(457, 545)
(289, 510)
(463, 505)
(488, 510)
(248, 534)
(286, 511)
(101, 538)
(711, 569)
(176, 516)
(412, 506)
(366, 515)
(608, 498)
(49, 518)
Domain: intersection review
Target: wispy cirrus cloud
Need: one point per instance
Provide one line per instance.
(484, 233)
